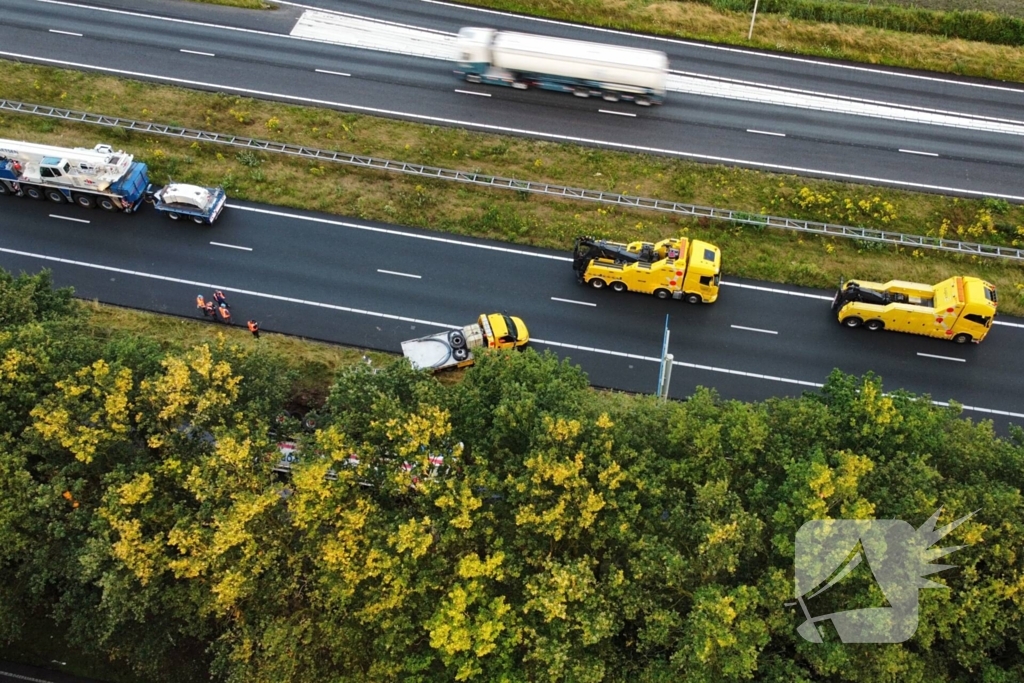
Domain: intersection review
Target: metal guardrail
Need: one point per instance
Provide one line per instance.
(614, 198)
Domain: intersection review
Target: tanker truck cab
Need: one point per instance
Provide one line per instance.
(474, 53)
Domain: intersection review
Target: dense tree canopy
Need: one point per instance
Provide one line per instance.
(514, 526)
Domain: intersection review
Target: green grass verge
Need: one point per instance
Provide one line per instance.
(510, 216)
(314, 362)
(244, 4)
(781, 33)
(1008, 8)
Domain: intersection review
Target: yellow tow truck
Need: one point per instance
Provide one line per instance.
(961, 308)
(453, 349)
(674, 268)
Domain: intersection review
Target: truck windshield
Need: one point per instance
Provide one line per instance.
(512, 331)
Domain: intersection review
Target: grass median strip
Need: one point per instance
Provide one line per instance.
(517, 217)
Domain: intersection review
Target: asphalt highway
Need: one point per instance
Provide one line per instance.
(374, 285)
(250, 52)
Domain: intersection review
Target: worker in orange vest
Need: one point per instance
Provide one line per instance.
(254, 327)
(224, 312)
(201, 303)
(218, 296)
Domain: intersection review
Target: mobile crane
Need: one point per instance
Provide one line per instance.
(676, 268)
(101, 177)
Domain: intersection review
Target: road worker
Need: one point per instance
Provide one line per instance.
(254, 327)
(224, 312)
(209, 310)
(200, 302)
(218, 296)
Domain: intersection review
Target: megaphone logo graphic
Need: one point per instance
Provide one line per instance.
(898, 556)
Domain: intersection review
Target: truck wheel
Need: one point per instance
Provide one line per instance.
(457, 339)
(83, 200)
(643, 101)
(198, 220)
(33, 192)
(874, 325)
(852, 321)
(962, 338)
(581, 92)
(55, 196)
(663, 294)
(107, 204)
(473, 78)
(173, 216)
(4, 189)
(610, 96)
(694, 299)
(521, 85)
(460, 354)
(597, 283)
(619, 287)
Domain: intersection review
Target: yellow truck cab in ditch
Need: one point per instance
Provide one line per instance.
(454, 348)
(676, 268)
(960, 309)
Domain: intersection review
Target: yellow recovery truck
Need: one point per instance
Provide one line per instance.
(672, 268)
(960, 308)
(452, 349)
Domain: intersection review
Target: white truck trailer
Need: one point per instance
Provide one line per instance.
(453, 348)
(524, 61)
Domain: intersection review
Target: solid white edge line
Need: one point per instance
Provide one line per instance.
(470, 92)
(822, 297)
(331, 73)
(225, 288)
(923, 154)
(753, 329)
(24, 678)
(932, 355)
(230, 246)
(752, 375)
(509, 250)
(842, 98)
(66, 33)
(197, 52)
(766, 132)
(387, 316)
(517, 131)
(393, 272)
(69, 218)
(616, 113)
(570, 301)
(311, 8)
(399, 233)
(723, 48)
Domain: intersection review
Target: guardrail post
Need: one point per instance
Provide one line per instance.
(664, 355)
(667, 378)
